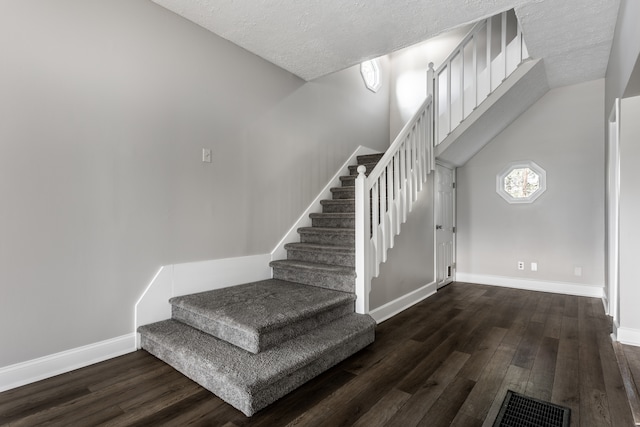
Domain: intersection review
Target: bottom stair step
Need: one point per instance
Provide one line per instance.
(248, 381)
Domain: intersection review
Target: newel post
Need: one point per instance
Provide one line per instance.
(363, 218)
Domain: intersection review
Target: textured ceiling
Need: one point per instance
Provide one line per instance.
(315, 38)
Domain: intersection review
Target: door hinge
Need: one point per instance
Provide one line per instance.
(453, 185)
(454, 229)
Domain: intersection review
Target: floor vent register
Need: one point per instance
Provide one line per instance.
(522, 411)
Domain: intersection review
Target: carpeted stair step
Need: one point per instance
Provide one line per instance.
(348, 181)
(325, 254)
(257, 316)
(343, 193)
(353, 169)
(340, 205)
(248, 381)
(333, 220)
(369, 158)
(337, 277)
(328, 236)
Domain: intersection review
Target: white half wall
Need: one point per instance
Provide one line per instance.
(194, 277)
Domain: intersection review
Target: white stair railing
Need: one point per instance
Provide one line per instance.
(386, 196)
(487, 55)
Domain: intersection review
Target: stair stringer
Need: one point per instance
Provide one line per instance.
(526, 85)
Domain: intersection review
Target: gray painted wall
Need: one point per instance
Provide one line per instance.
(629, 213)
(106, 106)
(410, 263)
(563, 133)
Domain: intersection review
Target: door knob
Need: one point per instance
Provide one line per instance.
(438, 227)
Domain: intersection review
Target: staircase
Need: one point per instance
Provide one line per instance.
(253, 343)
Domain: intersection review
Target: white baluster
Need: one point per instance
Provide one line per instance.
(402, 168)
(397, 200)
(504, 44)
(384, 218)
(375, 226)
(432, 90)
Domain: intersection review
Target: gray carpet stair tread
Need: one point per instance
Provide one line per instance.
(338, 215)
(337, 201)
(258, 315)
(347, 250)
(328, 230)
(369, 158)
(249, 381)
(306, 265)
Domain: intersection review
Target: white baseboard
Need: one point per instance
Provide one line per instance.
(23, 373)
(532, 285)
(628, 336)
(192, 277)
(292, 236)
(398, 305)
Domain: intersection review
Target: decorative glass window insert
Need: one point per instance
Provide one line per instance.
(521, 182)
(370, 71)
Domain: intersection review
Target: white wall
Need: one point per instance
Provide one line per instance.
(409, 75)
(563, 229)
(106, 106)
(410, 263)
(629, 215)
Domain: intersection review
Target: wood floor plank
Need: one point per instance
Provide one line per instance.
(483, 353)
(594, 406)
(516, 379)
(619, 406)
(384, 410)
(566, 382)
(447, 360)
(422, 400)
(528, 349)
(540, 384)
(446, 407)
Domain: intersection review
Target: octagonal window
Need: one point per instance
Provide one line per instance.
(521, 182)
(370, 71)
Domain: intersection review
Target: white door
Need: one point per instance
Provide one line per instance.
(444, 218)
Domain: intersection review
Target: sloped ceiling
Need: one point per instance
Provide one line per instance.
(315, 38)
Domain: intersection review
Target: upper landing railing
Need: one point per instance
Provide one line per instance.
(491, 51)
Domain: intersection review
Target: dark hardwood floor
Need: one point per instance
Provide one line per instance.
(446, 361)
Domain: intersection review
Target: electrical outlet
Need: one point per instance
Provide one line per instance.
(520, 265)
(577, 271)
(534, 266)
(206, 155)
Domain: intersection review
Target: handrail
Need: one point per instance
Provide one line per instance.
(384, 198)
